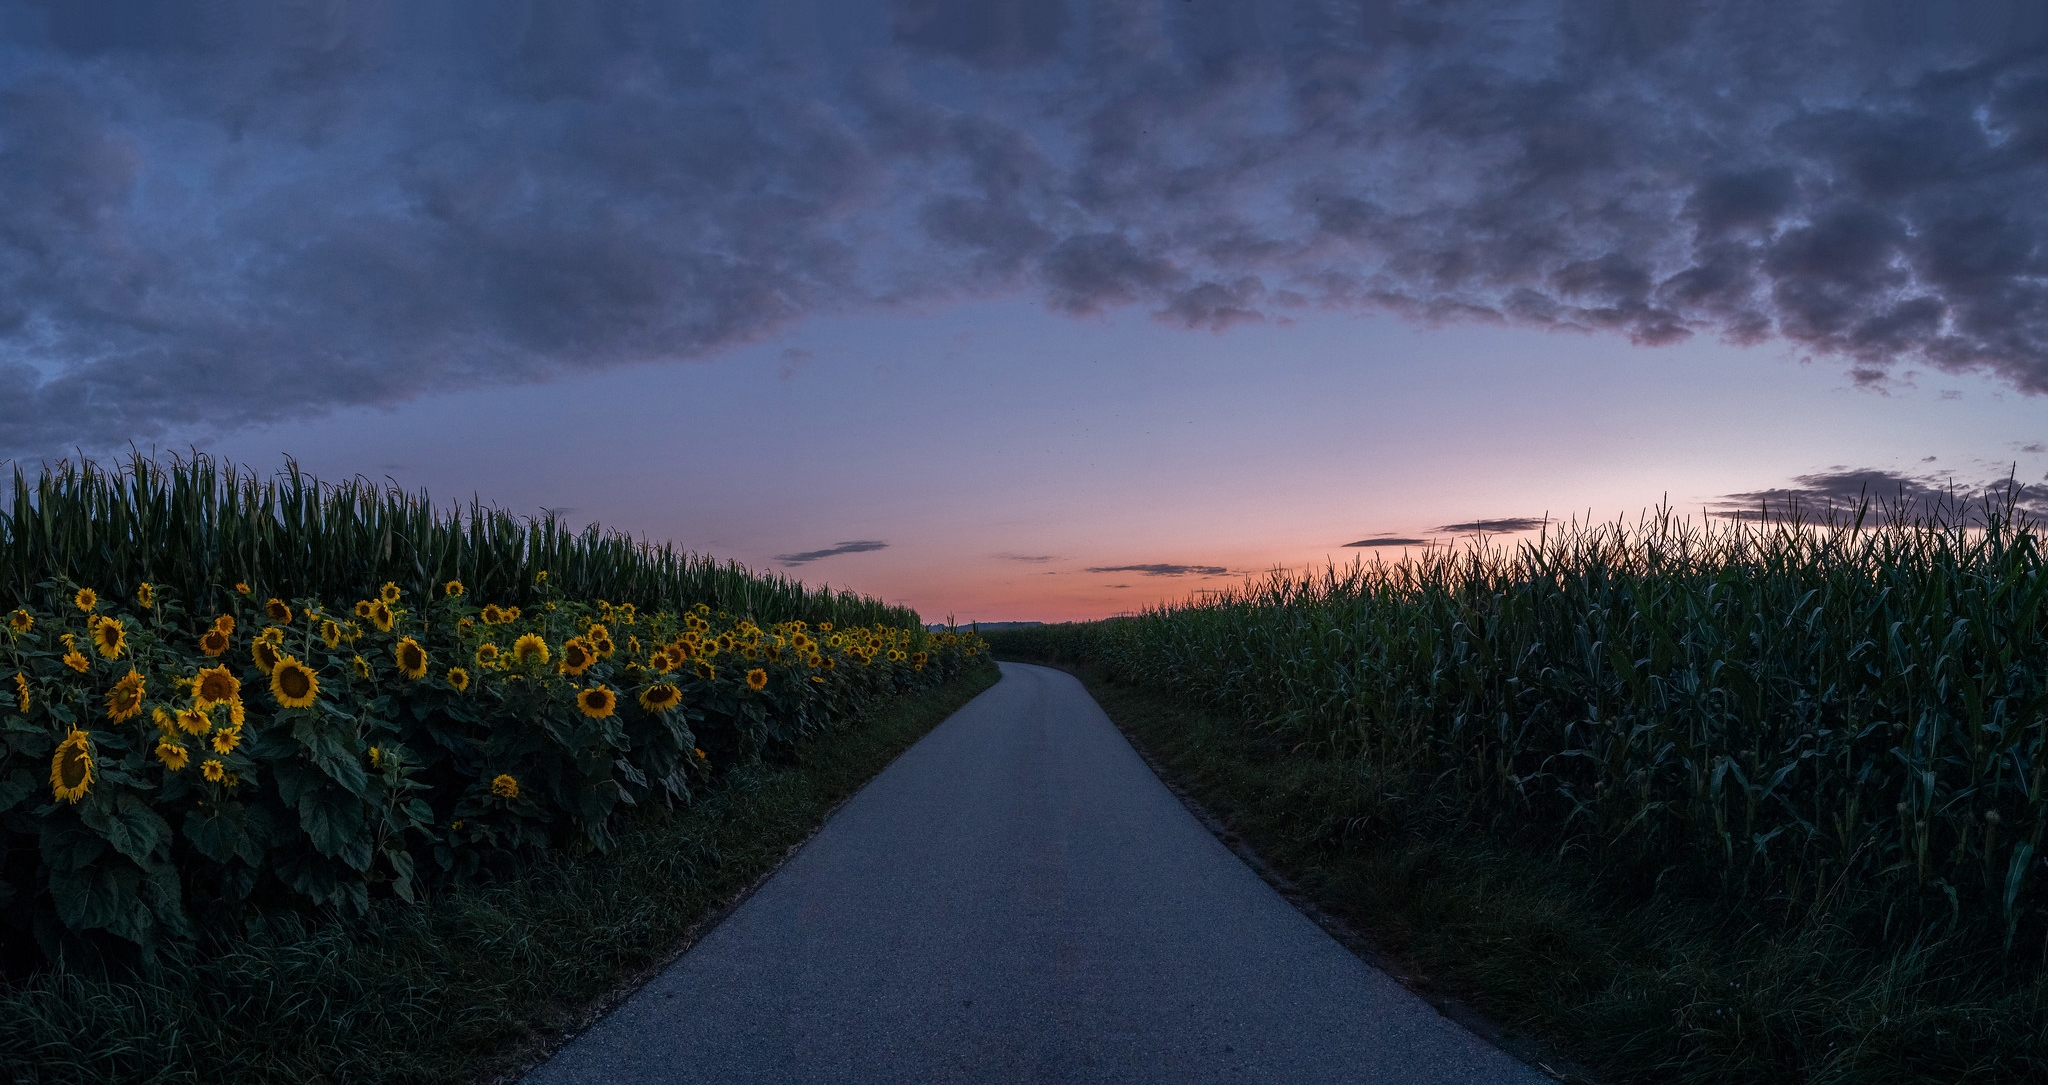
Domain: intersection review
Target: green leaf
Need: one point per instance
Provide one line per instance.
(334, 822)
(67, 845)
(128, 823)
(223, 832)
(16, 787)
(101, 895)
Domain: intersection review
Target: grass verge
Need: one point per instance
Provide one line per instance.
(1650, 988)
(471, 986)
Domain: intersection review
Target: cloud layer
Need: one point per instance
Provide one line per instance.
(219, 212)
(857, 546)
(1161, 569)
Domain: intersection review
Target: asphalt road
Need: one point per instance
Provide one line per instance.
(1019, 899)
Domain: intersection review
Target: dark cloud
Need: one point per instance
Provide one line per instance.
(1035, 559)
(1161, 570)
(1884, 493)
(1389, 542)
(222, 212)
(1501, 526)
(858, 546)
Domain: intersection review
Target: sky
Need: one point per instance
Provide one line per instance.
(1036, 309)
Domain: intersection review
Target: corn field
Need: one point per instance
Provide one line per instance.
(198, 526)
(213, 711)
(1846, 715)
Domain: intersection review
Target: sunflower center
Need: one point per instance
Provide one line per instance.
(293, 682)
(73, 768)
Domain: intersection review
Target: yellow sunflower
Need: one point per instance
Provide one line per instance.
(824, 627)
(505, 786)
(21, 621)
(264, 655)
(362, 668)
(213, 770)
(330, 633)
(376, 757)
(214, 642)
(757, 679)
(215, 685)
(493, 614)
(174, 756)
(412, 659)
(86, 599)
(225, 624)
(705, 670)
(458, 678)
(604, 647)
(21, 692)
(273, 636)
(389, 593)
(466, 626)
(659, 662)
(817, 679)
(632, 646)
(661, 698)
(226, 739)
(597, 702)
(124, 701)
(109, 638)
(364, 607)
(145, 595)
(512, 614)
(242, 587)
(278, 611)
(487, 655)
(452, 589)
(193, 721)
(577, 656)
(381, 616)
(293, 684)
(529, 650)
(597, 633)
(71, 767)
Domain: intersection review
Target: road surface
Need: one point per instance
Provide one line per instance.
(1019, 899)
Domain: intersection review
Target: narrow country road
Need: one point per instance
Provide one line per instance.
(1019, 899)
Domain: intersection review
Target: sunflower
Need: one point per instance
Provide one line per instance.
(21, 621)
(661, 698)
(757, 679)
(800, 642)
(213, 770)
(241, 587)
(381, 617)
(577, 656)
(629, 614)
(364, 607)
(831, 664)
(389, 593)
(632, 646)
(174, 756)
(659, 662)
(682, 652)
(272, 636)
(214, 642)
(145, 595)
(215, 685)
(351, 632)
(225, 624)
(109, 638)
(458, 678)
(493, 615)
(293, 684)
(487, 655)
(774, 653)
(362, 668)
(505, 786)
(278, 611)
(705, 670)
(193, 721)
(700, 754)
(71, 767)
(541, 577)
(530, 649)
(412, 659)
(452, 589)
(86, 600)
(512, 613)
(597, 702)
(824, 627)
(330, 633)
(124, 701)
(597, 633)
(226, 739)
(817, 679)
(21, 692)
(264, 654)
(466, 626)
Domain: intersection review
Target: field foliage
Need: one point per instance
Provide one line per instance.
(1843, 718)
(215, 708)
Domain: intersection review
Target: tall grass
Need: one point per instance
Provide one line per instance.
(1842, 719)
(199, 525)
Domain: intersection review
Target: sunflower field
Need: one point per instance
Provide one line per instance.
(182, 754)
